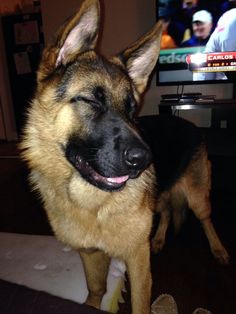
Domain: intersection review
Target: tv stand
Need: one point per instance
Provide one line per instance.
(220, 139)
(166, 107)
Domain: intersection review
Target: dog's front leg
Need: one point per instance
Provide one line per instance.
(96, 264)
(138, 264)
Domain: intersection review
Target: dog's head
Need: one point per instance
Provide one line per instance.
(88, 103)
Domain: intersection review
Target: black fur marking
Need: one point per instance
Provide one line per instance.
(116, 142)
(173, 142)
(68, 72)
(88, 40)
(130, 106)
(100, 99)
(116, 130)
(99, 94)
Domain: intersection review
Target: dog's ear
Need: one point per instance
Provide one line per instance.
(77, 35)
(80, 33)
(140, 59)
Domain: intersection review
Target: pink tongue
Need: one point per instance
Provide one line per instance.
(118, 179)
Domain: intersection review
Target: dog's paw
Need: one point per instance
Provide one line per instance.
(221, 255)
(94, 301)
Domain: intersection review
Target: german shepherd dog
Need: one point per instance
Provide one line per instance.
(89, 162)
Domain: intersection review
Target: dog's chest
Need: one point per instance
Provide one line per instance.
(89, 218)
(115, 230)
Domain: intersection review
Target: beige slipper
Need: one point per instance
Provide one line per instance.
(201, 311)
(164, 304)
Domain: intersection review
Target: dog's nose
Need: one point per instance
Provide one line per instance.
(137, 157)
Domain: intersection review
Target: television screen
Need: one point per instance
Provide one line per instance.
(196, 27)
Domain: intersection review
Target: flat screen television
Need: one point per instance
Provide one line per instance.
(188, 25)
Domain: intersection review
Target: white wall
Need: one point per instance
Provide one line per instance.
(124, 21)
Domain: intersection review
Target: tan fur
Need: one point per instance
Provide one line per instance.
(99, 223)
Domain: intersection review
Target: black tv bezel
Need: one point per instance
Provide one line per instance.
(180, 83)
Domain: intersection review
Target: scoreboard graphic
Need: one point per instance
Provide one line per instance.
(212, 62)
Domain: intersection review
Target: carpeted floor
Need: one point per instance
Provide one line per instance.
(185, 268)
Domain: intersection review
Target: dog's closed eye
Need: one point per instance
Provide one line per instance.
(94, 103)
